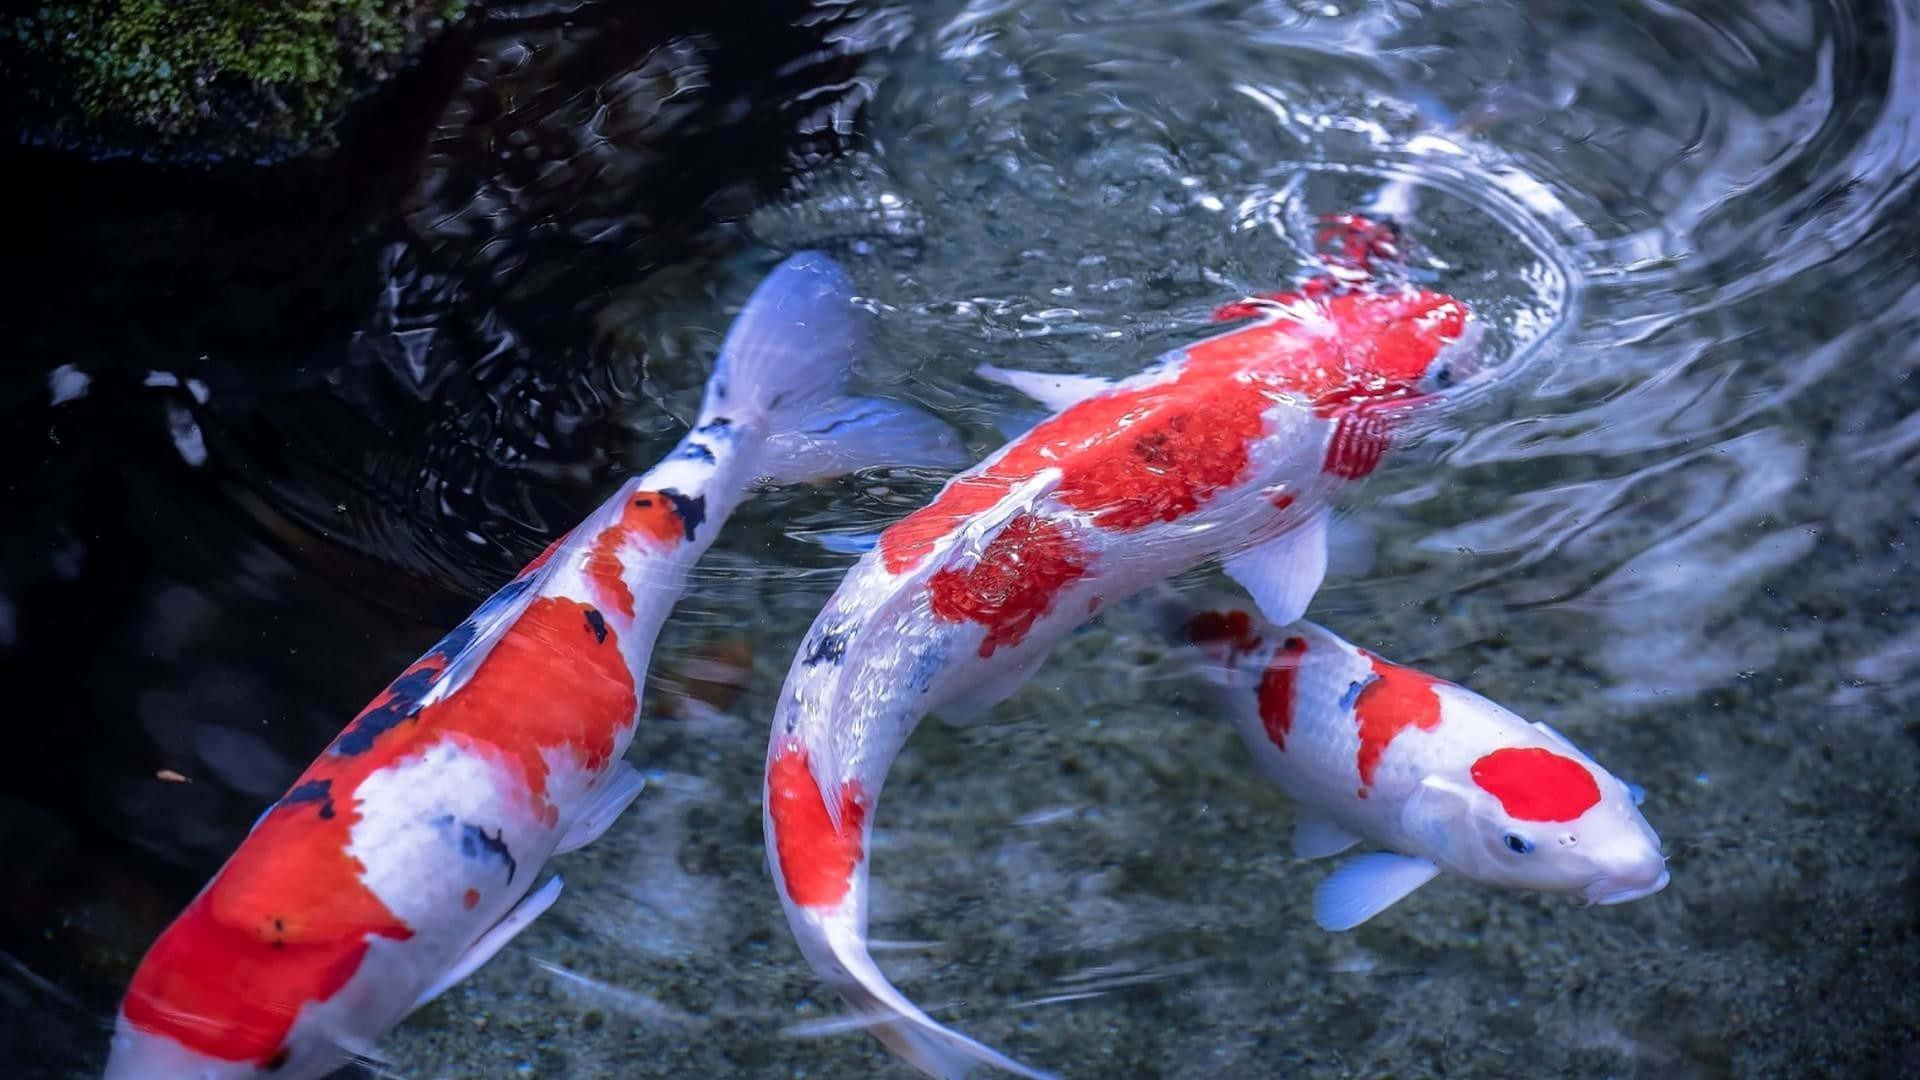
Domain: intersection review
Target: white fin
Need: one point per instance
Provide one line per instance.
(616, 793)
(530, 907)
(1318, 838)
(1056, 392)
(922, 1041)
(847, 434)
(1283, 574)
(783, 368)
(1367, 885)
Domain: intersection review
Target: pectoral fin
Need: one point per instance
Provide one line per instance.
(1283, 574)
(530, 907)
(616, 793)
(1056, 392)
(1365, 886)
(1317, 838)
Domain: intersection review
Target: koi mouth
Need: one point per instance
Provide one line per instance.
(1631, 892)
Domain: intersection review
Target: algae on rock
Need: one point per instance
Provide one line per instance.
(216, 77)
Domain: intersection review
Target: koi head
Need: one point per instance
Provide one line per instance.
(1538, 814)
(1399, 343)
(1346, 349)
(228, 992)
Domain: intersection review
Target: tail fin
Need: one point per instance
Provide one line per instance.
(784, 365)
(836, 948)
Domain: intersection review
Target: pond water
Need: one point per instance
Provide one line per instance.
(268, 445)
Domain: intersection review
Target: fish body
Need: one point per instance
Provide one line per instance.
(1443, 779)
(1229, 448)
(406, 854)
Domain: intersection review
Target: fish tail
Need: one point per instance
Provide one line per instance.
(835, 946)
(783, 371)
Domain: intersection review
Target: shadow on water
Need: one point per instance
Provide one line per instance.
(273, 430)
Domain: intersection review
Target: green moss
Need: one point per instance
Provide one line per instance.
(176, 69)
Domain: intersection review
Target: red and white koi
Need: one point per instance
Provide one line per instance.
(1230, 448)
(1444, 779)
(402, 858)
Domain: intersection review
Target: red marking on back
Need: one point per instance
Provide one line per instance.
(1282, 500)
(1013, 583)
(471, 899)
(649, 517)
(286, 921)
(1148, 454)
(1234, 628)
(1398, 698)
(1279, 690)
(1534, 784)
(816, 860)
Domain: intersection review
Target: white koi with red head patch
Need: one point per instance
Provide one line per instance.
(1441, 777)
(1230, 448)
(402, 859)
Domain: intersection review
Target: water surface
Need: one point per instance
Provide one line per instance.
(1673, 522)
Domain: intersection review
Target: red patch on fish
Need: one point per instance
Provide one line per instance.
(1278, 690)
(1534, 784)
(649, 517)
(471, 900)
(1155, 453)
(268, 935)
(1012, 584)
(287, 920)
(817, 860)
(1396, 699)
(1234, 628)
(1361, 437)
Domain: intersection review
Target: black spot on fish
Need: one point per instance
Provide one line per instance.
(643, 503)
(313, 791)
(476, 844)
(1353, 694)
(716, 426)
(829, 647)
(692, 509)
(279, 1059)
(697, 452)
(597, 623)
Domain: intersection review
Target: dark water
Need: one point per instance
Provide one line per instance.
(272, 432)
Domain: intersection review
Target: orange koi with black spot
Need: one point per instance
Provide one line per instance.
(406, 855)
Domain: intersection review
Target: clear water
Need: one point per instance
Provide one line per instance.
(1675, 523)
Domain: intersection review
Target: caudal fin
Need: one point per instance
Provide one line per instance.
(783, 368)
(837, 950)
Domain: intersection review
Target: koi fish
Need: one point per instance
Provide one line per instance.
(1229, 448)
(405, 856)
(1444, 779)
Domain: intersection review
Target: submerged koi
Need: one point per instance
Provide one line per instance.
(402, 859)
(1444, 779)
(1230, 449)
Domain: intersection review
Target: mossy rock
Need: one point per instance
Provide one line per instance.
(212, 78)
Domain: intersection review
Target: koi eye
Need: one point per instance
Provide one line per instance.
(1517, 844)
(1443, 376)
